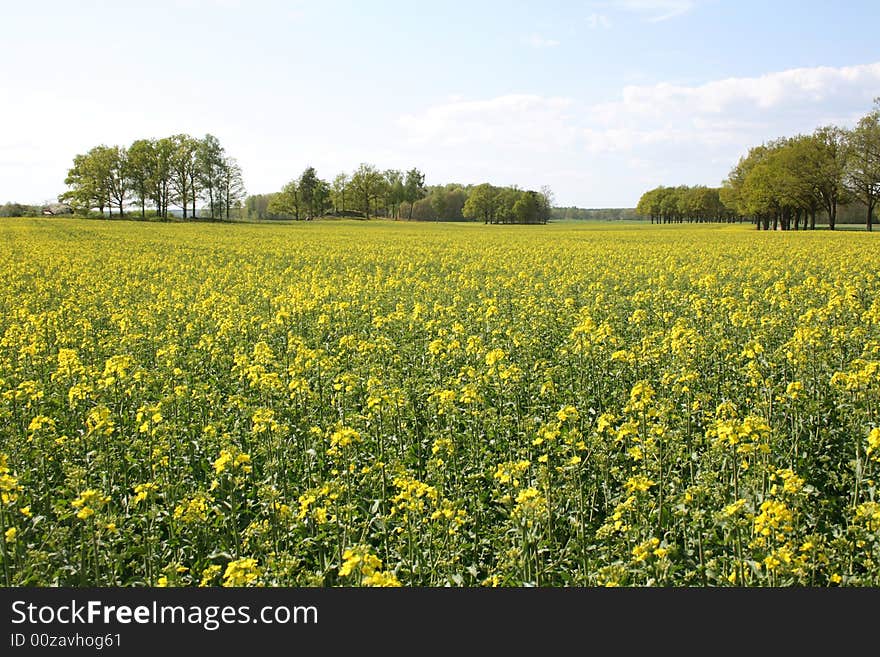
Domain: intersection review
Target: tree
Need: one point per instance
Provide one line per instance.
(413, 188)
(394, 191)
(862, 170)
(545, 197)
(448, 201)
(309, 192)
(527, 208)
(117, 180)
(231, 185)
(97, 179)
(505, 205)
(210, 161)
(734, 192)
(162, 175)
(481, 203)
(184, 171)
(288, 201)
(366, 182)
(649, 204)
(830, 168)
(87, 184)
(321, 197)
(340, 182)
(142, 169)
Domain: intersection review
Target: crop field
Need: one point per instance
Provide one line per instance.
(385, 403)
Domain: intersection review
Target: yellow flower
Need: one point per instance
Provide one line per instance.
(241, 572)
(11, 533)
(874, 443)
(209, 574)
(638, 483)
(232, 459)
(87, 502)
(494, 356)
(567, 412)
(142, 491)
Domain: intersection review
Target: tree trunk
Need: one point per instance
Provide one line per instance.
(869, 221)
(812, 219)
(832, 216)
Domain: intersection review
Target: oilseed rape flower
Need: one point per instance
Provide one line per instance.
(359, 560)
(232, 460)
(511, 471)
(873, 449)
(341, 438)
(143, 491)
(88, 502)
(194, 509)
(241, 572)
(639, 483)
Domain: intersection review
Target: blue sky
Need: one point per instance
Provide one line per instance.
(599, 100)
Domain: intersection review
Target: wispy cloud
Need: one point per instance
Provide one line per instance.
(538, 41)
(727, 110)
(596, 21)
(514, 120)
(654, 11)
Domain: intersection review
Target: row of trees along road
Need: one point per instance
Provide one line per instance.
(178, 171)
(369, 192)
(786, 182)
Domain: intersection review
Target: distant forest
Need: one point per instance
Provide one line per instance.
(368, 192)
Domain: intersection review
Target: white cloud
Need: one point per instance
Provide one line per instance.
(537, 41)
(737, 102)
(596, 21)
(652, 134)
(655, 11)
(514, 120)
(718, 112)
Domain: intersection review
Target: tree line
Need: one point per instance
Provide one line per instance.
(178, 171)
(683, 203)
(370, 192)
(574, 213)
(784, 183)
(365, 192)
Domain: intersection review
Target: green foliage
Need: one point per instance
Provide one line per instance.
(174, 171)
(18, 210)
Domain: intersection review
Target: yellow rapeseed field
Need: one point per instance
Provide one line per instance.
(384, 403)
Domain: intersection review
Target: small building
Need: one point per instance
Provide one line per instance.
(55, 209)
